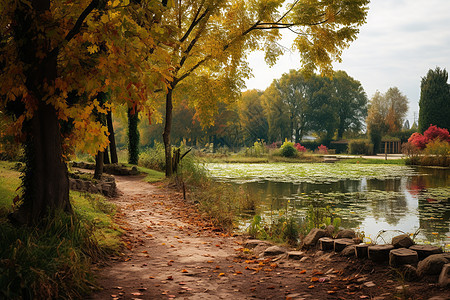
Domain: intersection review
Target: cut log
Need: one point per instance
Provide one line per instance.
(402, 256)
(361, 250)
(379, 253)
(326, 244)
(425, 250)
(340, 244)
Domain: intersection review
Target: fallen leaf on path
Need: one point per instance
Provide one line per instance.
(314, 279)
(222, 274)
(137, 294)
(311, 287)
(151, 277)
(184, 271)
(118, 287)
(302, 272)
(331, 292)
(142, 289)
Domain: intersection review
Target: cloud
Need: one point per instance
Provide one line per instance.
(400, 42)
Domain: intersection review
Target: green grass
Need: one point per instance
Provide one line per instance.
(151, 175)
(9, 182)
(53, 260)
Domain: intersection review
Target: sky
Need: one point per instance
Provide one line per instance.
(400, 42)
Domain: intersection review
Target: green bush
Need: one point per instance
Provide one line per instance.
(437, 153)
(360, 147)
(153, 158)
(288, 150)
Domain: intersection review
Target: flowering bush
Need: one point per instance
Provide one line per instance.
(299, 147)
(431, 134)
(322, 149)
(418, 140)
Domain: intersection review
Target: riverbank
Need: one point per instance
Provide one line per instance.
(173, 251)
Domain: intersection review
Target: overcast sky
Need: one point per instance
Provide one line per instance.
(400, 42)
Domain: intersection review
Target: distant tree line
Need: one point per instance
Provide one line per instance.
(293, 106)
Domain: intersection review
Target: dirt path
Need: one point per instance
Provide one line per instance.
(173, 254)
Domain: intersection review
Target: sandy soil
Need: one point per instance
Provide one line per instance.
(173, 253)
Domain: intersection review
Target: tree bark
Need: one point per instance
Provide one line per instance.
(112, 139)
(99, 165)
(106, 160)
(45, 180)
(133, 136)
(166, 133)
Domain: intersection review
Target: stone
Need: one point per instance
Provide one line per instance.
(444, 277)
(346, 234)
(340, 244)
(250, 244)
(425, 250)
(379, 253)
(433, 264)
(326, 244)
(313, 236)
(361, 250)
(348, 251)
(357, 240)
(330, 230)
(402, 256)
(274, 250)
(296, 255)
(409, 272)
(402, 241)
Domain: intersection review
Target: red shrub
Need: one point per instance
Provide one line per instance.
(299, 147)
(418, 140)
(433, 132)
(323, 149)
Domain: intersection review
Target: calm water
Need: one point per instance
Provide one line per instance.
(369, 198)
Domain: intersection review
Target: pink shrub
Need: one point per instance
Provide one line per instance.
(433, 132)
(299, 147)
(323, 149)
(418, 140)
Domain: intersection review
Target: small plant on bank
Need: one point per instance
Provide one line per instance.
(300, 148)
(322, 149)
(288, 150)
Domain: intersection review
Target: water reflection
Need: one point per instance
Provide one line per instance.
(408, 203)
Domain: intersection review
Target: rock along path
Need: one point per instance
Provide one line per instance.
(173, 253)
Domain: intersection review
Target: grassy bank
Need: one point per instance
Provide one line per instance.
(373, 161)
(53, 260)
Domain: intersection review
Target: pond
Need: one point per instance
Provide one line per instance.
(368, 198)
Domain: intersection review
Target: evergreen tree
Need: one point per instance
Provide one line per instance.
(434, 103)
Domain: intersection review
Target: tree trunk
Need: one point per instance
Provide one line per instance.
(166, 134)
(112, 139)
(99, 165)
(106, 160)
(45, 179)
(46, 182)
(133, 136)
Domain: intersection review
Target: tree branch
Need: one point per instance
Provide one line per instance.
(195, 22)
(76, 28)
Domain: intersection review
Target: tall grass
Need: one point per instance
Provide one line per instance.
(218, 201)
(54, 259)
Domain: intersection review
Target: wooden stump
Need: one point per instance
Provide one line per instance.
(380, 253)
(326, 244)
(340, 244)
(361, 250)
(424, 251)
(402, 256)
